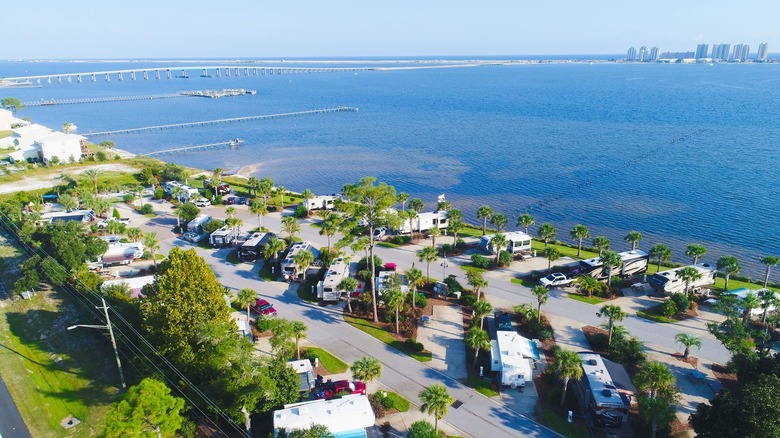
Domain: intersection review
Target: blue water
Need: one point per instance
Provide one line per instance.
(682, 153)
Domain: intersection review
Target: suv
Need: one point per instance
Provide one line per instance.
(202, 203)
(230, 200)
(240, 200)
(380, 233)
(263, 307)
(503, 322)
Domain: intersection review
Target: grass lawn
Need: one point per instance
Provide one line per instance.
(584, 299)
(481, 386)
(265, 272)
(525, 281)
(5, 133)
(386, 337)
(560, 425)
(304, 290)
(400, 403)
(565, 250)
(469, 268)
(653, 314)
(387, 245)
(232, 257)
(329, 361)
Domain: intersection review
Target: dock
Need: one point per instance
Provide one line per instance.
(235, 119)
(234, 143)
(45, 102)
(229, 92)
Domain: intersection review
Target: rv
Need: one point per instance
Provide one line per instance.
(288, 265)
(324, 202)
(121, 254)
(222, 237)
(186, 194)
(424, 222)
(516, 242)
(252, 249)
(328, 289)
(668, 282)
(382, 282)
(196, 225)
(511, 357)
(605, 402)
(67, 216)
(634, 262)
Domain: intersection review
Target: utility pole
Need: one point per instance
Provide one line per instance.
(111, 335)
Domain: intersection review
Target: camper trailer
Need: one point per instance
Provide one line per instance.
(66, 216)
(222, 237)
(668, 282)
(516, 242)
(606, 403)
(424, 222)
(512, 356)
(122, 254)
(634, 262)
(323, 202)
(252, 249)
(196, 225)
(383, 278)
(288, 265)
(328, 289)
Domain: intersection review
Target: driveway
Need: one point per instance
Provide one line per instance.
(443, 337)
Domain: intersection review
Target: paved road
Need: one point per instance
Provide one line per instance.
(11, 423)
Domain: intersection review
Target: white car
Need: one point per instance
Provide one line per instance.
(102, 224)
(554, 280)
(380, 233)
(202, 203)
(192, 237)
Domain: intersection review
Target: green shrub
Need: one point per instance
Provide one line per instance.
(147, 209)
(468, 300)
(377, 406)
(505, 258)
(479, 261)
(669, 308)
(384, 400)
(264, 324)
(446, 249)
(301, 212)
(413, 345)
(159, 193)
(115, 214)
(681, 301)
(401, 239)
(128, 198)
(213, 225)
(101, 156)
(419, 301)
(453, 285)
(544, 335)
(363, 263)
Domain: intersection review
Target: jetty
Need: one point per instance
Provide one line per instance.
(234, 143)
(234, 119)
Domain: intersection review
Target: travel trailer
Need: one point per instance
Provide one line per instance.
(512, 356)
(222, 237)
(517, 242)
(424, 222)
(252, 249)
(327, 289)
(323, 202)
(196, 225)
(668, 282)
(289, 267)
(634, 262)
(605, 402)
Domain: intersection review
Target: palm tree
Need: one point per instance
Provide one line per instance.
(566, 365)
(728, 265)
(498, 242)
(217, 172)
(661, 252)
(541, 293)
(633, 237)
(749, 302)
(291, 227)
(236, 224)
(499, 221)
(366, 369)
(67, 127)
(153, 245)
(477, 339)
(658, 410)
(280, 190)
(265, 187)
(394, 300)
(272, 248)
(260, 209)
(302, 261)
(525, 220)
(688, 274)
(590, 284)
(547, 233)
(454, 227)
(416, 204)
(67, 202)
(578, 233)
(695, 251)
(482, 309)
(230, 211)
(93, 174)
(348, 285)
(476, 281)
(768, 299)
(246, 297)
(298, 331)
(410, 215)
(434, 233)
(252, 185)
(687, 340)
(403, 198)
(328, 228)
(427, 255)
(611, 261)
(656, 379)
(415, 279)
(613, 314)
(601, 243)
(134, 234)
(484, 213)
(769, 261)
(551, 254)
(435, 400)
(307, 194)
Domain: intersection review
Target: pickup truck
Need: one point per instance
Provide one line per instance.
(102, 224)
(555, 279)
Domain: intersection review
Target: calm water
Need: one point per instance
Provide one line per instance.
(682, 153)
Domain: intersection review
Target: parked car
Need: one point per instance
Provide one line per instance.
(503, 322)
(240, 200)
(262, 307)
(202, 203)
(207, 183)
(339, 387)
(380, 233)
(104, 223)
(555, 279)
(192, 237)
(230, 200)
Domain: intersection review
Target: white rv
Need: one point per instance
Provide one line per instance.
(323, 202)
(196, 225)
(516, 242)
(668, 282)
(604, 400)
(222, 237)
(511, 357)
(187, 192)
(383, 278)
(328, 289)
(121, 254)
(424, 222)
(634, 262)
(289, 268)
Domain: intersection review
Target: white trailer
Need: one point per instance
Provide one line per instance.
(222, 237)
(668, 282)
(424, 222)
(328, 289)
(383, 282)
(288, 265)
(196, 225)
(516, 242)
(633, 262)
(322, 202)
(511, 357)
(122, 254)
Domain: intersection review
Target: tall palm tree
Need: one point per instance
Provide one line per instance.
(525, 220)
(265, 187)
(484, 213)
(589, 284)
(633, 237)
(348, 285)
(661, 252)
(394, 300)
(768, 299)
(728, 265)
(688, 340)
(280, 190)
(498, 242)
(298, 331)
(366, 369)
(272, 248)
(482, 309)
(328, 228)
(93, 174)
(303, 260)
(656, 379)
(476, 281)
(477, 339)
(134, 234)
(217, 172)
(67, 127)
(246, 297)
(403, 198)
(252, 184)
(416, 204)
(601, 243)
(688, 275)
(307, 194)
(435, 400)
(499, 221)
(427, 255)
(612, 262)
(566, 365)
(230, 211)
(291, 227)
(454, 227)
(415, 279)
(695, 251)
(541, 293)
(769, 261)
(434, 233)
(578, 233)
(67, 202)
(547, 233)
(749, 302)
(260, 209)
(613, 314)
(236, 224)
(551, 254)
(153, 245)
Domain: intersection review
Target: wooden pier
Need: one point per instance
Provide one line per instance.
(235, 119)
(44, 102)
(234, 143)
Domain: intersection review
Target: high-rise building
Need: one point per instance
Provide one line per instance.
(631, 55)
(654, 52)
(643, 54)
(701, 51)
(762, 52)
(721, 51)
(740, 53)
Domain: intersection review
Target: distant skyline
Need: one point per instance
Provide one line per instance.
(47, 29)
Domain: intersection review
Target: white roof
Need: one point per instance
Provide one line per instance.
(741, 293)
(60, 137)
(33, 131)
(515, 353)
(604, 390)
(348, 413)
(301, 366)
(135, 284)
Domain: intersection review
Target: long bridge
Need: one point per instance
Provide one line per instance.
(234, 119)
(232, 143)
(172, 72)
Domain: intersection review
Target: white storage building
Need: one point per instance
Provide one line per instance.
(347, 416)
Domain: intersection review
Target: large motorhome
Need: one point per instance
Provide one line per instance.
(251, 250)
(222, 237)
(634, 262)
(327, 289)
(607, 405)
(66, 216)
(288, 265)
(187, 192)
(668, 282)
(323, 202)
(196, 225)
(516, 242)
(424, 222)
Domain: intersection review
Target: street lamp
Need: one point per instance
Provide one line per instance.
(444, 265)
(111, 334)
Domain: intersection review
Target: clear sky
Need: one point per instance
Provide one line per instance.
(45, 29)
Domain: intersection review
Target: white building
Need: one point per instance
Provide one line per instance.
(511, 357)
(8, 121)
(344, 416)
(66, 147)
(135, 284)
(23, 140)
